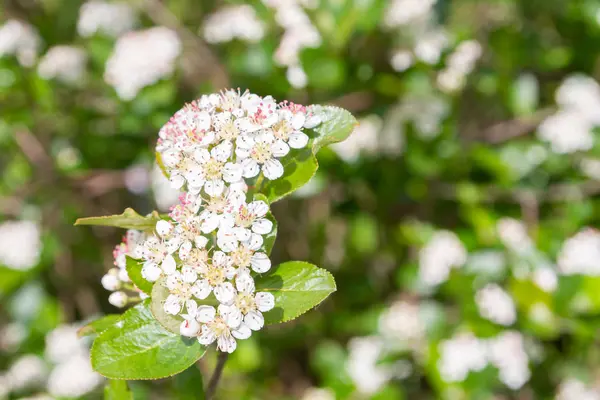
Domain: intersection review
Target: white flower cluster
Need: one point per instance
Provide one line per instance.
(65, 63)
(403, 323)
(112, 19)
(443, 252)
(362, 364)
(214, 243)
(234, 22)
(496, 305)
(19, 39)
(140, 59)
(117, 280)
(570, 129)
(580, 254)
(21, 244)
(459, 65)
(466, 353)
(574, 389)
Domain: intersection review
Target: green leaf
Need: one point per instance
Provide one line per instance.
(117, 390)
(158, 297)
(128, 220)
(138, 347)
(298, 170)
(134, 271)
(98, 326)
(337, 124)
(188, 385)
(269, 239)
(298, 287)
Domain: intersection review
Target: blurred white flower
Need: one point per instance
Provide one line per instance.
(296, 76)
(514, 236)
(363, 355)
(570, 129)
(21, 244)
(545, 278)
(112, 19)
(458, 65)
(425, 111)
(74, 377)
(402, 324)
(591, 168)
(27, 372)
(318, 394)
(11, 337)
(63, 343)
(460, 355)
(19, 39)
(573, 389)
(496, 305)
(580, 254)
(65, 63)
(140, 59)
(137, 178)
(364, 139)
(401, 60)
(4, 387)
(429, 46)
(164, 195)
(402, 12)
(233, 22)
(507, 353)
(442, 253)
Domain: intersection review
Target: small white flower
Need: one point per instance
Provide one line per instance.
(111, 280)
(261, 153)
(245, 254)
(214, 277)
(247, 307)
(289, 126)
(181, 290)
(157, 254)
(219, 207)
(496, 305)
(247, 219)
(215, 328)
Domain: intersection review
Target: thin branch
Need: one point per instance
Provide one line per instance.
(214, 379)
(506, 130)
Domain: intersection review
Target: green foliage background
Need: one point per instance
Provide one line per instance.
(65, 150)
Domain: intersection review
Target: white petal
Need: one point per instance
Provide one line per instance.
(172, 305)
(222, 151)
(254, 320)
(151, 272)
(163, 227)
(258, 208)
(189, 328)
(201, 155)
(255, 242)
(298, 120)
(280, 148)
(173, 244)
(206, 314)
(265, 301)
(191, 308)
(195, 179)
(235, 198)
(200, 242)
(250, 168)
(244, 142)
(224, 293)
(226, 241)
(260, 263)
(210, 223)
(298, 140)
(232, 172)
(173, 280)
(226, 343)
(168, 265)
(170, 158)
(201, 289)
(220, 259)
(262, 226)
(184, 250)
(271, 120)
(207, 337)
(244, 282)
(188, 275)
(272, 169)
(242, 234)
(312, 121)
(177, 181)
(231, 314)
(242, 332)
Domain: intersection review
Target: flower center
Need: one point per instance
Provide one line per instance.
(213, 169)
(245, 302)
(282, 130)
(241, 256)
(217, 204)
(197, 258)
(261, 152)
(215, 276)
(244, 218)
(183, 290)
(219, 327)
(229, 131)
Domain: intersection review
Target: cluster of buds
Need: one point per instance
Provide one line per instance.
(212, 247)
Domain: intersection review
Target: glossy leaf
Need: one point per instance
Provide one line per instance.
(337, 124)
(298, 169)
(158, 297)
(129, 219)
(98, 326)
(134, 271)
(298, 287)
(117, 390)
(138, 347)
